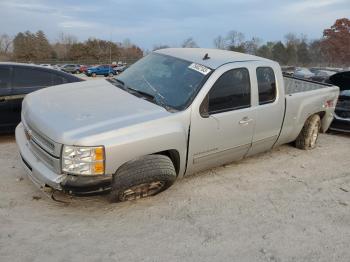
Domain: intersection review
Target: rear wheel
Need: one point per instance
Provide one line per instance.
(142, 178)
(308, 136)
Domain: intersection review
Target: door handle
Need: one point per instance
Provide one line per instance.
(245, 121)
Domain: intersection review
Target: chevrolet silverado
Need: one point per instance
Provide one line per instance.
(175, 112)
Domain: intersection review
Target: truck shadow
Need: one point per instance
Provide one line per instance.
(7, 138)
(338, 133)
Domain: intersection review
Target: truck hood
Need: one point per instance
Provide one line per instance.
(67, 113)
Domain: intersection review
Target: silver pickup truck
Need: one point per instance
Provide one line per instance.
(173, 113)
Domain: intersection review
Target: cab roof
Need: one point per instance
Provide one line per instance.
(217, 57)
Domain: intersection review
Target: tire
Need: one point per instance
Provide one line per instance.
(142, 178)
(308, 135)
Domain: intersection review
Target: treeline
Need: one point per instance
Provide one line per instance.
(35, 47)
(294, 50)
(332, 49)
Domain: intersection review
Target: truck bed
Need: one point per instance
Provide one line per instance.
(303, 98)
(294, 85)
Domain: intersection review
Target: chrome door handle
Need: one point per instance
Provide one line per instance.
(245, 121)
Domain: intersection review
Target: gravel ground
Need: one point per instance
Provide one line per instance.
(283, 205)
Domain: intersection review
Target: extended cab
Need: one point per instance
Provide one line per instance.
(173, 113)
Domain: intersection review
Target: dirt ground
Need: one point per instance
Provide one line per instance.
(283, 205)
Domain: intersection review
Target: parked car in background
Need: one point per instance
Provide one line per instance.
(302, 72)
(57, 66)
(17, 80)
(288, 70)
(341, 120)
(120, 68)
(105, 70)
(174, 112)
(46, 65)
(321, 75)
(83, 68)
(71, 68)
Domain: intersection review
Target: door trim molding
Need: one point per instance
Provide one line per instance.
(198, 159)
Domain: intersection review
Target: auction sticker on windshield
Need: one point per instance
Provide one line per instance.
(199, 68)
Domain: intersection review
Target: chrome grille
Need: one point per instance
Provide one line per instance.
(48, 160)
(43, 148)
(44, 142)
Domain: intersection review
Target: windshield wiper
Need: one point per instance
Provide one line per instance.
(117, 82)
(142, 93)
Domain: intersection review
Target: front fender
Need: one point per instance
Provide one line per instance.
(132, 142)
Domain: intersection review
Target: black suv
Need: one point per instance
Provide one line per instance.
(341, 120)
(17, 80)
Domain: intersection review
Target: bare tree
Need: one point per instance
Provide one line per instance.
(5, 44)
(126, 43)
(219, 42)
(252, 46)
(64, 44)
(234, 39)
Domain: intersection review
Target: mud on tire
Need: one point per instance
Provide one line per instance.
(309, 134)
(143, 177)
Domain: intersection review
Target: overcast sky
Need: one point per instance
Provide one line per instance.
(150, 22)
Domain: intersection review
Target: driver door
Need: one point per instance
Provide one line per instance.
(222, 128)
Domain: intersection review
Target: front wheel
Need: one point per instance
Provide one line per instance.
(308, 135)
(142, 178)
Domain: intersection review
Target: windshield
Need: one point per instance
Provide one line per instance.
(169, 80)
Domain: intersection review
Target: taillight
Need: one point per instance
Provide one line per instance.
(329, 103)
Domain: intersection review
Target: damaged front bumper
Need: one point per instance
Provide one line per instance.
(44, 177)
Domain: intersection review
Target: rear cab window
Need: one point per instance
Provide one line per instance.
(230, 92)
(266, 85)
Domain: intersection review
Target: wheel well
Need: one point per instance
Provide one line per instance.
(321, 114)
(174, 156)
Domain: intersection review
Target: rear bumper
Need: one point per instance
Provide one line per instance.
(43, 176)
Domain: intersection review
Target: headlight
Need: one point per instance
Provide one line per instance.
(83, 160)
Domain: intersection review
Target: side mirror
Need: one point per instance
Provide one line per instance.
(205, 114)
(204, 108)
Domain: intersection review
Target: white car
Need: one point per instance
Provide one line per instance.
(46, 65)
(302, 72)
